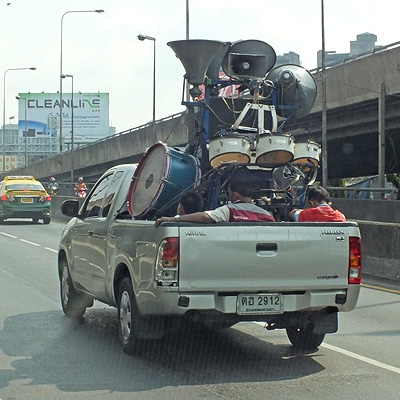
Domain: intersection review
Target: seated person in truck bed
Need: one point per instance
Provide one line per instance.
(241, 209)
(189, 203)
(320, 210)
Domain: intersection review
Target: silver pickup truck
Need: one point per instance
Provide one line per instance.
(293, 276)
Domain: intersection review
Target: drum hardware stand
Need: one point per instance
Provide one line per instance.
(261, 109)
(304, 181)
(258, 107)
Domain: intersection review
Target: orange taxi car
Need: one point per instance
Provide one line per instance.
(24, 197)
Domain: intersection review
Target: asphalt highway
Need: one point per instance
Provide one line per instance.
(44, 355)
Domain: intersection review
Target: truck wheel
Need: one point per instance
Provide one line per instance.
(46, 220)
(74, 304)
(304, 339)
(127, 317)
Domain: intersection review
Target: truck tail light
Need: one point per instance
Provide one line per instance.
(355, 260)
(167, 263)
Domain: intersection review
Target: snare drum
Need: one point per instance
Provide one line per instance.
(229, 148)
(275, 150)
(306, 153)
(162, 174)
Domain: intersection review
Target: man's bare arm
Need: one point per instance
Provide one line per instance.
(200, 217)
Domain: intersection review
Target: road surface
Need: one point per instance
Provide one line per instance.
(44, 355)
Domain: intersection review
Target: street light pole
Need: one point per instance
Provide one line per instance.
(187, 38)
(61, 63)
(72, 125)
(4, 110)
(145, 37)
(25, 130)
(324, 140)
(187, 19)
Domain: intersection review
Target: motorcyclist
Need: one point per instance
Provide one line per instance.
(53, 187)
(80, 188)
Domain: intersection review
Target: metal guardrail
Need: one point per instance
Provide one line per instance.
(128, 131)
(346, 60)
(137, 128)
(354, 192)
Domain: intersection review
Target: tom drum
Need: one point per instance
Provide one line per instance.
(275, 150)
(229, 148)
(306, 153)
(162, 174)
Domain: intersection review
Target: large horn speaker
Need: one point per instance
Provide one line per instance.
(296, 87)
(196, 56)
(216, 63)
(249, 59)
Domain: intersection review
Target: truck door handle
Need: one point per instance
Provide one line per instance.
(267, 249)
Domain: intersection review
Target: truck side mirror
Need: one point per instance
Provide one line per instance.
(70, 208)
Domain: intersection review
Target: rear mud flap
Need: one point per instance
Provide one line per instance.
(324, 323)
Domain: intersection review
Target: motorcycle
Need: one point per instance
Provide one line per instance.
(53, 190)
(80, 193)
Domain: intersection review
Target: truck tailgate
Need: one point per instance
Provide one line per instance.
(256, 257)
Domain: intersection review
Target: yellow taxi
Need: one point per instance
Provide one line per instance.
(24, 197)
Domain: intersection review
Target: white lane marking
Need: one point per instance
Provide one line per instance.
(355, 356)
(361, 358)
(7, 234)
(4, 271)
(54, 251)
(27, 241)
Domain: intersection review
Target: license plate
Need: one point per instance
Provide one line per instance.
(252, 304)
(26, 200)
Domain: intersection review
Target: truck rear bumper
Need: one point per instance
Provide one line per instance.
(177, 303)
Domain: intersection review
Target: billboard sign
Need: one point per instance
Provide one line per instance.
(11, 162)
(89, 113)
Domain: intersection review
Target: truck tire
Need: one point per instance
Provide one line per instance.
(304, 339)
(74, 304)
(127, 317)
(46, 220)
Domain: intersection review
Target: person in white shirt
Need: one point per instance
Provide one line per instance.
(241, 209)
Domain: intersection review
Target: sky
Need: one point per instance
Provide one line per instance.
(104, 55)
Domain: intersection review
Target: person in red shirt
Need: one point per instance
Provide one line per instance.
(80, 188)
(320, 209)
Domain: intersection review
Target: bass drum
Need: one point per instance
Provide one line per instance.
(162, 174)
(275, 150)
(306, 153)
(229, 148)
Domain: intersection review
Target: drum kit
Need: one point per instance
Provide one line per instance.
(164, 172)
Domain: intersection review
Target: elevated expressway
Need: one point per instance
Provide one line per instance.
(353, 89)
(352, 96)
